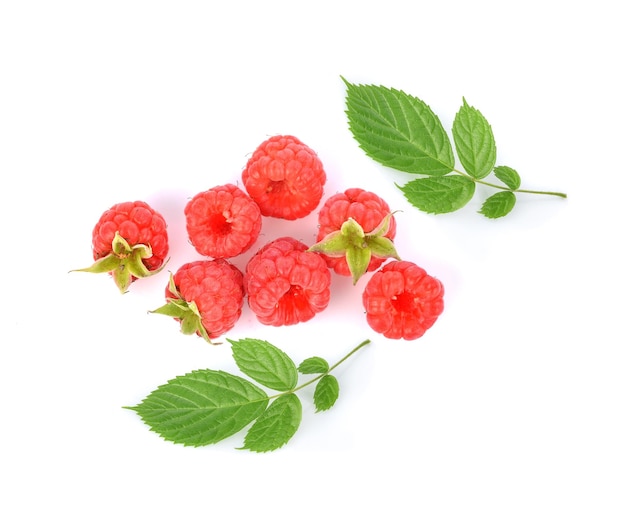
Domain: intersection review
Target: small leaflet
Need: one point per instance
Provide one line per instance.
(265, 363)
(474, 142)
(499, 204)
(510, 177)
(326, 393)
(439, 194)
(275, 427)
(313, 365)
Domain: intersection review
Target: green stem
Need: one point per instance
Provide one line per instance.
(500, 187)
(302, 386)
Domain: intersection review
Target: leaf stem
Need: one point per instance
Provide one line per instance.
(520, 190)
(312, 381)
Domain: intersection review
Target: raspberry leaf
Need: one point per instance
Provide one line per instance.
(326, 393)
(207, 406)
(275, 427)
(499, 204)
(313, 365)
(439, 194)
(510, 177)
(265, 363)
(398, 130)
(202, 407)
(474, 141)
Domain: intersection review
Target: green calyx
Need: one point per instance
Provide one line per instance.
(357, 246)
(186, 312)
(125, 263)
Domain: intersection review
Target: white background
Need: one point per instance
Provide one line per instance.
(514, 397)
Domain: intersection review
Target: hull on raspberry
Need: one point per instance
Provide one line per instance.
(222, 222)
(286, 284)
(206, 297)
(402, 301)
(285, 178)
(129, 241)
(356, 232)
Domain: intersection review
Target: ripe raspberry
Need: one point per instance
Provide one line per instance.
(285, 177)
(206, 297)
(129, 241)
(402, 300)
(222, 222)
(286, 284)
(356, 232)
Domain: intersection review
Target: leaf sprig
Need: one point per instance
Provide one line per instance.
(402, 132)
(206, 406)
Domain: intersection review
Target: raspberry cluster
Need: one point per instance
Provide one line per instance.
(286, 281)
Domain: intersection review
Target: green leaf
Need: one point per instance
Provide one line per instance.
(265, 363)
(498, 205)
(398, 130)
(202, 407)
(474, 141)
(275, 427)
(313, 365)
(510, 177)
(326, 393)
(439, 194)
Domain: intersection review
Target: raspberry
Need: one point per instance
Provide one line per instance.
(285, 178)
(286, 284)
(356, 232)
(129, 241)
(222, 222)
(206, 297)
(402, 301)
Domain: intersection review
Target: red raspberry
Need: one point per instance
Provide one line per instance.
(286, 284)
(206, 297)
(285, 177)
(402, 300)
(362, 242)
(222, 222)
(129, 241)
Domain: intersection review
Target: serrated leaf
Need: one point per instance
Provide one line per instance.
(326, 393)
(265, 363)
(510, 177)
(398, 130)
(439, 194)
(275, 427)
(499, 204)
(313, 365)
(474, 141)
(202, 407)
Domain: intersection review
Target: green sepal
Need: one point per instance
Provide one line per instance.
(358, 246)
(102, 265)
(358, 259)
(125, 263)
(380, 246)
(184, 311)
